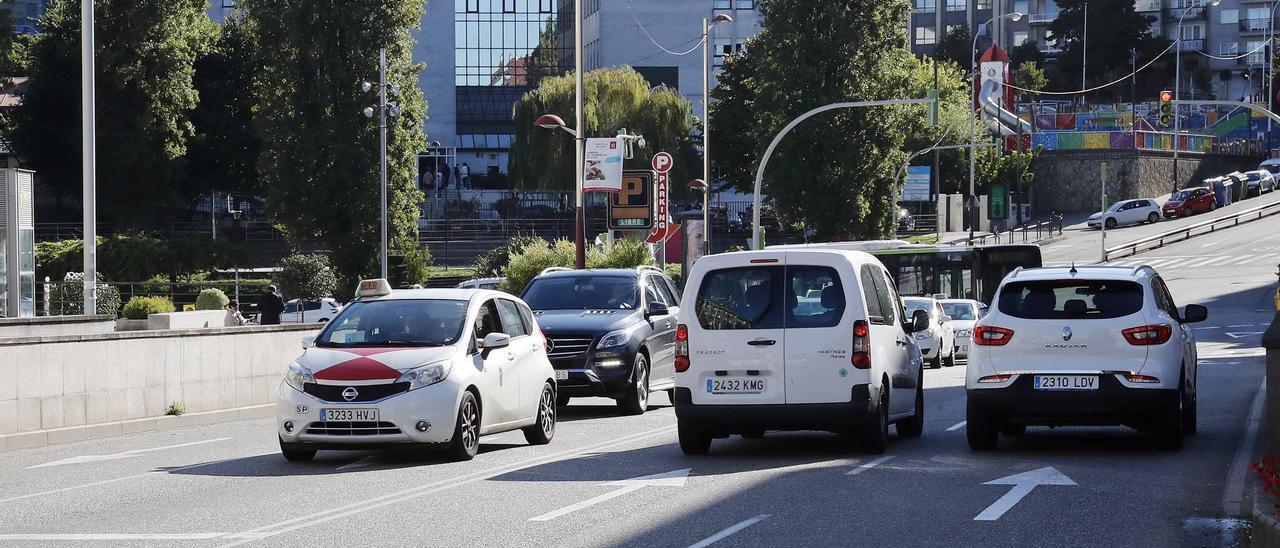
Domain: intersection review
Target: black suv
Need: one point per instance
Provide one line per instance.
(610, 332)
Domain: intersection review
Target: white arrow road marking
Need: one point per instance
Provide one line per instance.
(1022, 485)
(868, 466)
(1244, 334)
(121, 455)
(729, 532)
(674, 478)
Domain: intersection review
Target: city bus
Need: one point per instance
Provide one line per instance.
(959, 272)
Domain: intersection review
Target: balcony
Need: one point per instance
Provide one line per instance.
(1187, 13)
(1255, 26)
(1147, 5)
(1042, 18)
(1193, 45)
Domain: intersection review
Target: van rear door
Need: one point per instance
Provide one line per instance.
(736, 331)
(821, 307)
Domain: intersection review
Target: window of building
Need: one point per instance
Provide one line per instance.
(744, 4)
(925, 36)
(1259, 55)
(473, 6)
(723, 4)
(1020, 37)
(1229, 17)
(1021, 6)
(546, 6)
(1229, 48)
(1192, 32)
(508, 6)
(926, 6)
(957, 5)
(983, 4)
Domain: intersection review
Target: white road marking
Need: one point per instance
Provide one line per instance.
(1233, 497)
(121, 455)
(1211, 244)
(1244, 334)
(1208, 327)
(729, 532)
(1241, 325)
(674, 478)
(105, 482)
(864, 467)
(111, 536)
(1022, 484)
(957, 426)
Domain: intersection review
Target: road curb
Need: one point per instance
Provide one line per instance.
(1266, 526)
(56, 436)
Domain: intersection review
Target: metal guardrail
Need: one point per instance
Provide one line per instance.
(1187, 232)
(1026, 234)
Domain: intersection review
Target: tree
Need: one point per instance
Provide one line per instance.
(1115, 28)
(544, 60)
(616, 98)
(835, 172)
(320, 162)
(306, 277)
(224, 153)
(146, 52)
(1029, 76)
(1028, 51)
(956, 46)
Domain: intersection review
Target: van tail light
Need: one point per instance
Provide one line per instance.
(1148, 335)
(861, 358)
(682, 348)
(986, 335)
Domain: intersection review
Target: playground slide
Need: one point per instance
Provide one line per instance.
(1005, 122)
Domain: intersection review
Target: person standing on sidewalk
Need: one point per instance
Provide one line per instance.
(233, 317)
(466, 177)
(270, 305)
(457, 177)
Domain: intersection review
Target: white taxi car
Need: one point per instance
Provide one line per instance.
(1087, 346)
(428, 366)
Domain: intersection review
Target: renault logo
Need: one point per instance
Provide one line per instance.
(1066, 333)
(350, 393)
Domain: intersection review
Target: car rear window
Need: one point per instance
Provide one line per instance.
(770, 297)
(1070, 299)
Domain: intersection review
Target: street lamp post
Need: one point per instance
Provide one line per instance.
(385, 109)
(1271, 69)
(1177, 85)
(707, 27)
(973, 122)
(89, 158)
(580, 140)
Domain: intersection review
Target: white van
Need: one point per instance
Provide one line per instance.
(795, 339)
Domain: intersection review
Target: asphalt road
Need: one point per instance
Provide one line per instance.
(225, 484)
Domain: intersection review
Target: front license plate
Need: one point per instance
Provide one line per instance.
(729, 385)
(349, 415)
(963, 348)
(1066, 382)
(562, 375)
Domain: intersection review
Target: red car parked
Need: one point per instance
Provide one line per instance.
(1189, 201)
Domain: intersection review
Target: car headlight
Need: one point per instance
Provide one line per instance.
(297, 376)
(614, 339)
(426, 375)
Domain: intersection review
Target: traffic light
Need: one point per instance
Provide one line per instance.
(1166, 108)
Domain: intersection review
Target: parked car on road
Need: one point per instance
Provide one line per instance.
(1271, 165)
(481, 283)
(796, 339)
(1188, 202)
(1126, 212)
(937, 342)
(300, 311)
(1259, 182)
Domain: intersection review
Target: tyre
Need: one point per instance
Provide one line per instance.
(541, 432)
(936, 362)
(1153, 218)
(951, 358)
(1169, 430)
(562, 400)
(636, 400)
(980, 430)
(914, 426)
(466, 431)
(296, 452)
(1013, 429)
(875, 435)
(692, 440)
(1110, 224)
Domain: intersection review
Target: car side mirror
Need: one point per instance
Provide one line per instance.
(656, 309)
(944, 319)
(495, 340)
(1195, 313)
(919, 321)
(308, 341)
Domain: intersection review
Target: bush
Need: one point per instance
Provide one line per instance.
(67, 297)
(626, 253)
(139, 307)
(176, 409)
(136, 257)
(306, 277)
(417, 264)
(212, 299)
(676, 272)
(492, 263)
(531, 259)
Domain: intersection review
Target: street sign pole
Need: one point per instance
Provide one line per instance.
(1103, 167)
(89, 158)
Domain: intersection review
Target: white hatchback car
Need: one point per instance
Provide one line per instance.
(964, 313)
(1126, 212)
(796, 339)
(938, 342)
(299, 311)
(425, 366)
(1083, 346)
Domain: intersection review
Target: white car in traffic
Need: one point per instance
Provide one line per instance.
(1083, 346)
(964, 313)
(300, 311)
(938, 341)
(419, 366)
(1126, 212)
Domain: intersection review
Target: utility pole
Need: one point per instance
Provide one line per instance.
(89, 157)
(580, 140)
(1084, 55)
(382, 137)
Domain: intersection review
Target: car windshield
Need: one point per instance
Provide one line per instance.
(959, 311)
(1181, 195)
(400, 322)
(1253, 176)
(583, 292)
(918, 304)
(1071, 299)
(1116, 206)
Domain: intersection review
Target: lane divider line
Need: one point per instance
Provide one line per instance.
(729, 531)
(957, 426)
(115, 480)
(864, 467)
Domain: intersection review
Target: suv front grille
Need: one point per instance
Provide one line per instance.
(568, 346)
(348, 428)
(370, 392)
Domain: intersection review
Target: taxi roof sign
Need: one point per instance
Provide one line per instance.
(376, 287)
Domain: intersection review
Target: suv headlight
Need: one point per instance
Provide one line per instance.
(297, 376)
(614, 339)
(426, 375)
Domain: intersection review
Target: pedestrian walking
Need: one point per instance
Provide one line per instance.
(444, 176)
(270, 305)
(466, 177)
(457, 177)
(233, 317)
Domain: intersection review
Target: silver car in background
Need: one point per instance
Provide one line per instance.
(963, 313)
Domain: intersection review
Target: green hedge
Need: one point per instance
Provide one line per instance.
(212, 299)
(536, 255)
(139, 307)
(136, 257)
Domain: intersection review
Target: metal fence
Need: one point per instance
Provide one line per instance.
(51, 302)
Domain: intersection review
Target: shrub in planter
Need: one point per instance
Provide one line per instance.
(626, 253)
(531, 259)
(493, 262)
(139, 307)
(212, 299)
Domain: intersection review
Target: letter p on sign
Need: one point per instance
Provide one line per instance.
(662, 162)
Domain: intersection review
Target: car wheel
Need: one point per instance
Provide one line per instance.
(636, 400)
(466, 432)
(541, 432)
(1110, 224)
(914, 426)
(296, 452)
(1013, 429)
(951, 358)
(875, 437)
(936, 362)
(1169, 431)
(562, 400)
(692, 440)
(1153, 218)
(980, 430)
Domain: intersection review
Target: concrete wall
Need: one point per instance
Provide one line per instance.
(1068, 181)
(59, 388)
(47, 326)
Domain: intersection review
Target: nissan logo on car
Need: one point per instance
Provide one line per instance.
(350, 393)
